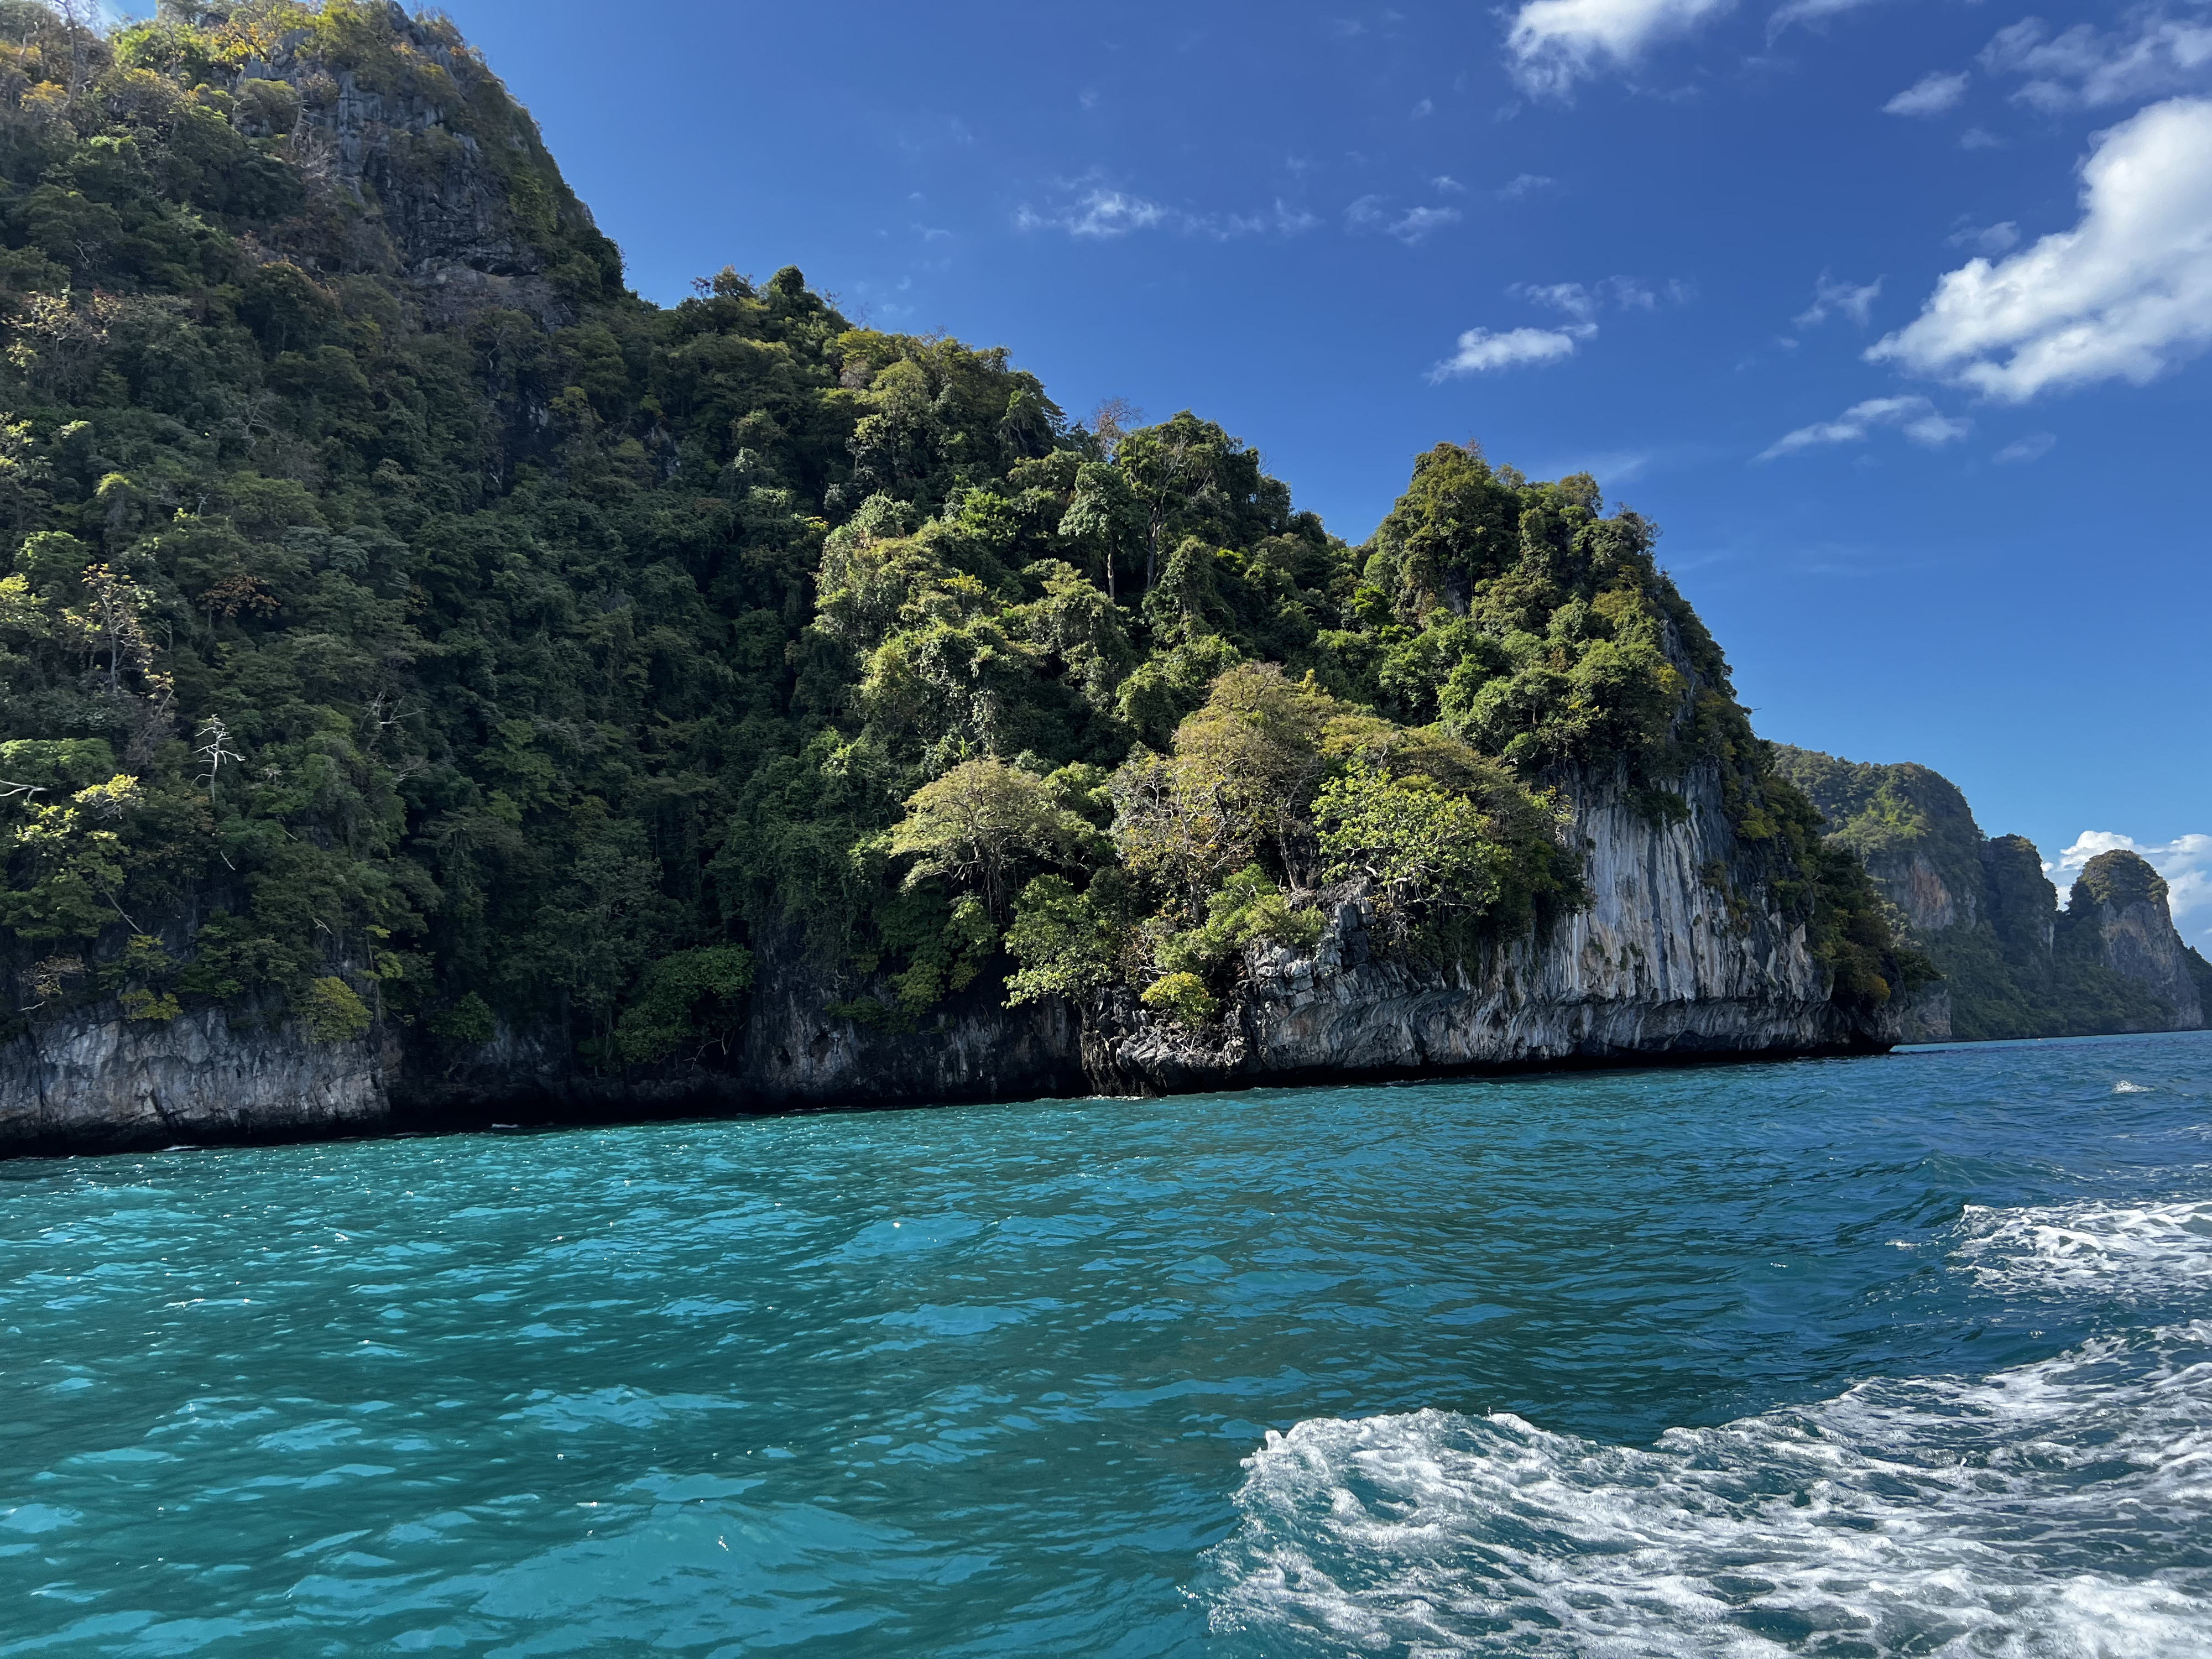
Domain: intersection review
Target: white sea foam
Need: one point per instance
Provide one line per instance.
(2121, 1250)
(2056, 1510)
(2125, 1087)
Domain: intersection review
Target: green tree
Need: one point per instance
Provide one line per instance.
(978, 823)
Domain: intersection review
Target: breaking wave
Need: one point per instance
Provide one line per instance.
(2115, 1249)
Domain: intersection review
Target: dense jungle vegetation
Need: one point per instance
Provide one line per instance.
(403, 619)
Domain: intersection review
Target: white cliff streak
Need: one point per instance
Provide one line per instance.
(1660, 963)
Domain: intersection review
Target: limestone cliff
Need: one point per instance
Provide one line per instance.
(431, 171)
(1677, 955)
(1665, 961)
(2118, 914)
(99, 1081)
(2016, 965)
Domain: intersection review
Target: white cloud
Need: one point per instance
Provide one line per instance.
(1481, 351)
(1415, 223)
(1423, 110)
(2082, 68)
(2125, 294)
(1555, 43)
(1987, 239)
(1919, 420)
(1979, 139)
(1572, 298)
(2186, 863)
(1583, 301)
(2022, 451)
(1527, 184)
(1101, 213)
(1284, 221)
(1931, 95)
(1445, 184)
(1854, 300)
(1411, 227)
(1809, 11)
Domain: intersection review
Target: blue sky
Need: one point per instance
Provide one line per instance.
(1720, 253)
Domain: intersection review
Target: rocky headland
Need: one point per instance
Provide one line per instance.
(2015, 964)
(436, 684)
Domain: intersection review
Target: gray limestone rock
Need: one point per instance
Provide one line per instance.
(1679, 954)
(97, 1081)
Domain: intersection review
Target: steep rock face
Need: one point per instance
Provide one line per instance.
(2022, 904)
(2015, 964)
(796, 1053)
(1659, 964)
(1914, 885)
(451, 184)
(2120, 908)
(1667, 960)
(97, 1081)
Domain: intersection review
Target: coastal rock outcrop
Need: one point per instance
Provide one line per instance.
(1666, 961)
(2118, 912)
(437, 683)
(2015, 964)
(97, 1081)
(1671, 958)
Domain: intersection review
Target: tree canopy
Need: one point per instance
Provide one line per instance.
(397, 606)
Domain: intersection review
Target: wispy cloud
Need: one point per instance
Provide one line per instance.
(1809, 11)
(1101, 214)
(1986, 239)
(1574, 299)
(1415, 223)
(1411, 226)
(1525, 185)
(1445, 183)
(1282, 220)
(1481, 352)
(1095, 213)
(1585, 300)
(2086, 69)
(1555, 43)
(1854, 300)
(2022, 451)
(1931, 95)
(1916, 417)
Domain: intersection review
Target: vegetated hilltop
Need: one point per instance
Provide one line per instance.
(411, 632)
(2015, 965)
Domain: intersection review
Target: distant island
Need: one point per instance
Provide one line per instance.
(2013, 964)
(435, 681)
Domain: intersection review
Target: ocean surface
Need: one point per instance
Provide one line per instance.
(1905, 1356)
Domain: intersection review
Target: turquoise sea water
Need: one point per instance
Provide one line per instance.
(1899, 1356)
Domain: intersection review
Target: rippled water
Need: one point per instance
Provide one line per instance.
(1900, 1356)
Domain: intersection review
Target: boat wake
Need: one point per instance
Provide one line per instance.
(2113, 1249)
(2060, 1509)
